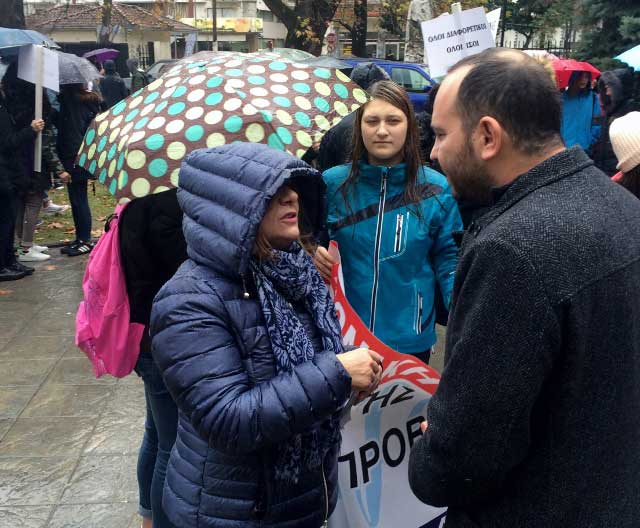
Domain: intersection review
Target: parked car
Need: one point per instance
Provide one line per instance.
(413, 77)
(158, 68)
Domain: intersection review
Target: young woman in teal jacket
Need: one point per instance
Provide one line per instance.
(393, 219)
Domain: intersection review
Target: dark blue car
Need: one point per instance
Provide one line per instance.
(414, 78)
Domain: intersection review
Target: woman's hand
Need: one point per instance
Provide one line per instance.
(65, 177)
(365, 368)
(37, 125)
(324, 262)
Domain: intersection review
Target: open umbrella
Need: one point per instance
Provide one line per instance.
(137, 146)
(565, 67)
(631, 57)
(13, 39)
(102, 54)
(75, 70)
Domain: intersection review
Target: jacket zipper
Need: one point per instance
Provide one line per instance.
(398, 242)
(325, 523)
(376, 251)
(419, 319)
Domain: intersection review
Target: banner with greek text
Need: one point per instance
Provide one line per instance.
(378, 434)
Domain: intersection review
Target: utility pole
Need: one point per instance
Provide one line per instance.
(504, 20)
(214, 25)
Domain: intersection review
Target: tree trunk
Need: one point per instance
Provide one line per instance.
(306, 24)
(359, 33)
(12, 14)
(105, 34)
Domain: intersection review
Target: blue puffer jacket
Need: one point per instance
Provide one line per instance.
(212, 346)
(391, 259)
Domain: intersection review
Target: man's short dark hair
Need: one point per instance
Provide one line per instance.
(515, 90)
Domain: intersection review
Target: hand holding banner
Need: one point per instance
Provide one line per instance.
(379, 433)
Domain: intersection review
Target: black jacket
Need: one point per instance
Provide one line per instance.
(12, 177)
(112, 86)
(77, 110)
(618, 104)
(152, 248)
(536, 419)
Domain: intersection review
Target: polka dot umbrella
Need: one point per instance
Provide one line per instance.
(137, 146)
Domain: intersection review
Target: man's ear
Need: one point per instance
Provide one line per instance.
(490, 138)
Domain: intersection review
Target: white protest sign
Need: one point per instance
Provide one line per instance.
(450, 38)
(377, 437)
(493, 17)
(38, 65)
(28, 66)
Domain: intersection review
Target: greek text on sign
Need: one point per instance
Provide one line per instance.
(378, 434)
(450, 38)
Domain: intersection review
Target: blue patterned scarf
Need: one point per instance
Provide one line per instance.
(290, 277)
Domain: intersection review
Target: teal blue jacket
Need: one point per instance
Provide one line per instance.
(391, 258)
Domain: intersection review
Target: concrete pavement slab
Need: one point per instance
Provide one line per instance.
(68, 400)
(13, 400)
(24, 516)
(103, 478)
(47, 437)
(77, 371)
(25, 371)
(107, 515)
(34, 481)
(30, 347)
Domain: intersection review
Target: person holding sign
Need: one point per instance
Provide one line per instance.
(535, 422)
(19, 99)
(248, 342)
(393, 218)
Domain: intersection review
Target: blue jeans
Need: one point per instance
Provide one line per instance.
(80, 209)
(160, 430)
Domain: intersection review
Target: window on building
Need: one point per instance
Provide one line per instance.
(267, 16)
(410, 80)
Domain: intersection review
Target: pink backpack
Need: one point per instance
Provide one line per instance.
(103, 330)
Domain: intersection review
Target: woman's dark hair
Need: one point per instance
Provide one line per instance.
(631, 181)
(395, 95)
(80, 93)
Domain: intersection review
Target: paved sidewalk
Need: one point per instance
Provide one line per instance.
(68, 442)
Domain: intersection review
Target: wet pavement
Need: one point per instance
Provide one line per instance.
(68, 442)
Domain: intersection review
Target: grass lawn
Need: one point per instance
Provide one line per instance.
(57, 229)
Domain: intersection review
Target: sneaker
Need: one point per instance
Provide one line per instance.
(53, 209)
(40, 249)
(21, 268)
(82, 248)
(7, 274)
(65, 249)
(32, 256)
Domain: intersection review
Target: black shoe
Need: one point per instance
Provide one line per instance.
(21, 268)
(82, 248)
(65, 249)
(7, 274)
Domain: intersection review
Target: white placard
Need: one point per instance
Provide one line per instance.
(493, 17)
(28, 69)
(450, 38)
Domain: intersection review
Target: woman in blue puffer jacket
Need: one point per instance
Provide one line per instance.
(248, 343)
(393, 219)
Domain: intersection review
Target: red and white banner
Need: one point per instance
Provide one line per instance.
(378, 435)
